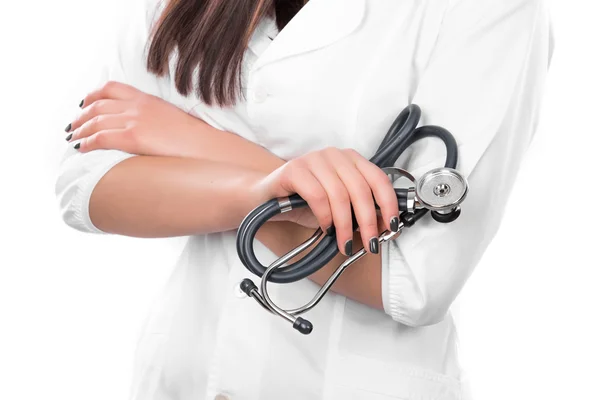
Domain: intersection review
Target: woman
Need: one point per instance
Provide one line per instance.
(213, 107)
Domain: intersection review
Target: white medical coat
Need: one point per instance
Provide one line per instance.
(337, 75)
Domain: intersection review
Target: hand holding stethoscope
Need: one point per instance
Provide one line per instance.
(440, 191)
(337, 183)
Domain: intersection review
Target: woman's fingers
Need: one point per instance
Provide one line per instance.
(336, 183)
(111, 90)
(297, 178)
(382, 189)
(101, 122)
(360, 196)
(101, 109)
(106, 139)
(339, 200)
(94, 110)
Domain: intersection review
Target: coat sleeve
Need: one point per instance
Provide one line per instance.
(484, 83)
(80, 172)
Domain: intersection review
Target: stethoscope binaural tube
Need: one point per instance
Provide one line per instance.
(402, 133)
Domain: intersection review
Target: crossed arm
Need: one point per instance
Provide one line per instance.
(184, 168)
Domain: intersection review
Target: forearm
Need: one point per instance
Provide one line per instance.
(147, 196)
(208, 143)
(203, 190)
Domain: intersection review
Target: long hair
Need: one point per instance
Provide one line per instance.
(212, 35)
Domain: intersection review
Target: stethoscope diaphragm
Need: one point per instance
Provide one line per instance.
(441, 189)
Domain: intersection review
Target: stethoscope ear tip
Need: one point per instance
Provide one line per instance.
(247, 286)
(303, 326)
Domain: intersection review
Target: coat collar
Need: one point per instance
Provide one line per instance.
(318, 24)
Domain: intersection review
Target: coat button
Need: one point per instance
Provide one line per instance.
(221, 397)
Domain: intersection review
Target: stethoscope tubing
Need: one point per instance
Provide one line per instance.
(402, 133)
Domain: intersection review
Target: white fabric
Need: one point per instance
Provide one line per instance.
(337, 75)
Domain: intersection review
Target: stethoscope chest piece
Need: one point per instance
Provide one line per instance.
(442, 189)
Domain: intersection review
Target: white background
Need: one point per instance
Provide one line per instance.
(71, 304)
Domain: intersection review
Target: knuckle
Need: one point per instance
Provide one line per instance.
(304, 164)
(340, 197)
(110, 85)
(295, 163)
(320, 198)
(324, 220)
(288, 182)
(381, 179)
(94, 124)
(287, 177)
(369, 225)
(330, 150)
(362, 190)
(86, 143)
(344, 225)
(95, 121)
(313, 159)
(309, 158)
(285, 180)
(131, 135)
(99, 139)
(136, 111)
(383, 193)
(95, 108)
(92, 109)
(287, 171)
(350, 152)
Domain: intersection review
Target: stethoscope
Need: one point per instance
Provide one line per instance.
(440, 191)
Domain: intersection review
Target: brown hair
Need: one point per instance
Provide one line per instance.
(213, 34)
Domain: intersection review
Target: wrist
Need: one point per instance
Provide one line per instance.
(257, 188)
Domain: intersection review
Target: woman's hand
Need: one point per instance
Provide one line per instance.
(118, 116)
(334, 181)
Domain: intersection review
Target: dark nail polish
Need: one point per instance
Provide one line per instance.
(68, 128)
(374, 245)
(348, 248)
(77, 146)
(69, 137)
(330, 231)
(81, 104)
(394, 224)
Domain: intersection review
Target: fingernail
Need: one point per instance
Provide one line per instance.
(68, 128)
(348, 248)
(81, 104)
(77, 146)
(330, 231)
(374, 245)
(69, 137)
(394, 224)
